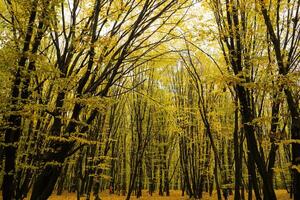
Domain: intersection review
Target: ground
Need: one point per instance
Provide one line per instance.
(175, 195)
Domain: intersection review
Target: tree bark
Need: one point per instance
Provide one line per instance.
(238, 161)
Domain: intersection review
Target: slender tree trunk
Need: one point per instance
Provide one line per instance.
(217, 182)
(124, 168)
(238, 161)
(160, 192)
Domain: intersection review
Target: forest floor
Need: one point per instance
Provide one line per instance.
(175, 195)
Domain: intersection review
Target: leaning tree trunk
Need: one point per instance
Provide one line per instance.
(45, 183)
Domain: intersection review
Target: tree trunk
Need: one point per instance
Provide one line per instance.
(252, 178)
(13, 133)
(295, 129)
(60, 185)
(217, 182)
(160, 192)
(45, 183)
(247, 118)
(238, 161)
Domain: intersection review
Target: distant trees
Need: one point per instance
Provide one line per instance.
(141, 130)
(194, 144)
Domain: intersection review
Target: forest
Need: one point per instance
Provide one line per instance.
(150, 99)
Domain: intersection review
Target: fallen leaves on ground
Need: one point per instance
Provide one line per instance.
(174, 195)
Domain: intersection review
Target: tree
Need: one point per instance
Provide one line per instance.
(237, 44)
(284, 34)
(88, 50)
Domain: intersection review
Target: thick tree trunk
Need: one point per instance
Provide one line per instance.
(46, 180)
(60, 185)
(253, 182)
(295, 135)
(295, 129)
(45, 183)
(23, 189)
(12, 135)
(21, 83)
